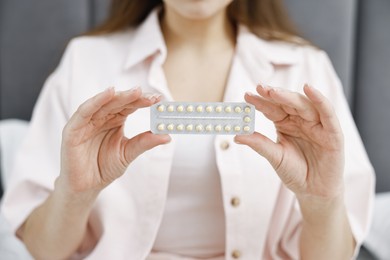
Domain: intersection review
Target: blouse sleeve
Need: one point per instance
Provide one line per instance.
(37, 163)
(359, 177)
(359, 174)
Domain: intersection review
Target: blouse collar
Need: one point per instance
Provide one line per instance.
(148, 40)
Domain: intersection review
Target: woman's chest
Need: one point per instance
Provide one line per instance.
(202, 79)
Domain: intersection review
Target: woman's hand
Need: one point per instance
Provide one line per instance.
(94, 150)
(308, 155)
(309, 158)
(94, 153)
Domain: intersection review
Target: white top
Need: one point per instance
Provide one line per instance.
(193, 223)
(266, 222)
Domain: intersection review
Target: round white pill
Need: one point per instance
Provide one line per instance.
(199, 109)
(237, 109)
(209, 109)
(218, 128)
(247, 128)
(180, 127)
(228, 109)
(218, 109)
(161, 108)
(237, 128)
(161, 127)
(199, 128)
(189, 127)
(170, 108)
(180, 108)
(247, 119)
(190, 108)
(247, 110)
(227, 128)
(209, 128)
(170, 127)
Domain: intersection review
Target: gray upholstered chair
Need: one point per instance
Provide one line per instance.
(355, 33)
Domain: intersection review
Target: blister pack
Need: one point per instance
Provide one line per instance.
(228, 118)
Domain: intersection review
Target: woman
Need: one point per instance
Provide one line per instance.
(117, 191)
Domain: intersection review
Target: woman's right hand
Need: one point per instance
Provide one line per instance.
(94, 149)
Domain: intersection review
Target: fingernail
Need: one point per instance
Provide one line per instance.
(147, 95)
(134, 89)
(250, 94)
(267, 88)
(237, 142)
(152, 96)
(166, 139)
(156, 96)
(110, 89)
(261, 84)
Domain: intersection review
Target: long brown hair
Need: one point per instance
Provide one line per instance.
(268, 19)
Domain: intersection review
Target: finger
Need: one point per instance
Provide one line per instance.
(128, 108)
(117, 119)
(120, 100)
(141, 143)
(294, 104)
(144, 101)
(264, 146)
(86, 110)
(113, 120)
(271, 110)
(264, 91)
(326, 112)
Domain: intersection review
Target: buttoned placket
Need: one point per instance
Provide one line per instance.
(245, 73)
(228, 165)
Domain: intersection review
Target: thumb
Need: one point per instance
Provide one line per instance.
(263, 146)
(141, 143)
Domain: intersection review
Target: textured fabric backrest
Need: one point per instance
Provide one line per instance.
(33, 35)
(372, 100)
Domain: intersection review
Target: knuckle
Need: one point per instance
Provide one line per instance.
(81, 109)
(66, 132)
(65, 129)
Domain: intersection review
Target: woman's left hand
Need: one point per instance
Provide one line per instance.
(308, 155)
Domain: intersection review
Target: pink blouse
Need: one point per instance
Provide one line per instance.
(262, 217)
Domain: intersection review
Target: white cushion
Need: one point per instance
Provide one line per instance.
(378, 239)
(12, 132)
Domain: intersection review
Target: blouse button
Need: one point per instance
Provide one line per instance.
(235, 202)
(236, 254)
(224, 145)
